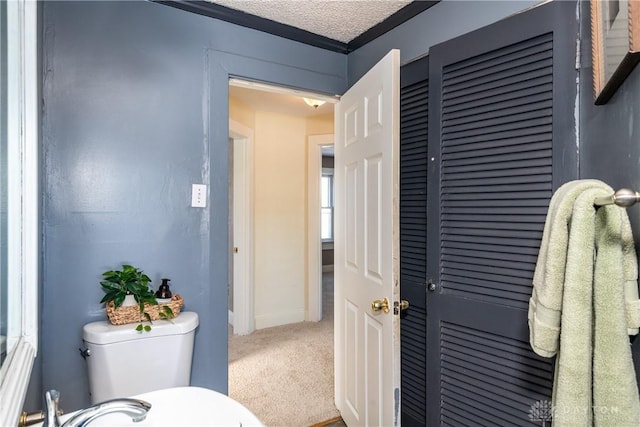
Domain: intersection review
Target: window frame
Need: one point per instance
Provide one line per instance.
(328, 172)
(22, 210)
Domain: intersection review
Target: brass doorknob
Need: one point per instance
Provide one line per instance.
(404, 305)
(380, 305)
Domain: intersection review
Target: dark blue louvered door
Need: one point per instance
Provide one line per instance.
(502, 139)
(414, 118)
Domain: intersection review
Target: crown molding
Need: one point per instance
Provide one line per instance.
(205, 8)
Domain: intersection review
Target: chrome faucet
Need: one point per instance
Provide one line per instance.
(135, 408)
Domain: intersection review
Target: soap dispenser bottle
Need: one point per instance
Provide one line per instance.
(164, 294)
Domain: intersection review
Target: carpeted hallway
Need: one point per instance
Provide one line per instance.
(284, 375)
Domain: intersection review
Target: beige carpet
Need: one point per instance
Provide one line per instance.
(284, 375)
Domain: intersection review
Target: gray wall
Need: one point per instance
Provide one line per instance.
(610, 137)
(610, 133)
(135, 110)
(444, 21)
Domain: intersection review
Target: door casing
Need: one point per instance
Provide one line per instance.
(314, 242)
(243, 306)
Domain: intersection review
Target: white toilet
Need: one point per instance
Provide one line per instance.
(123, 362)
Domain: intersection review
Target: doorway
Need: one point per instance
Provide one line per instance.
(279, 313)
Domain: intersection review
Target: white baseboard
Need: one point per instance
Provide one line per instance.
(279, 319)
(327, 268)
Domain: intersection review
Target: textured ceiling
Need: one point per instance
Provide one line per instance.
(341, 20)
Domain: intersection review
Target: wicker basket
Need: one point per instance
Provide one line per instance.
(131, 314)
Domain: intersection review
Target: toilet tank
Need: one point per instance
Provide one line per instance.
(123, 362)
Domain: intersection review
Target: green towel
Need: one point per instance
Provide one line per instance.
(545, 305)
(572, 400)
(583, 305)
(615, 392)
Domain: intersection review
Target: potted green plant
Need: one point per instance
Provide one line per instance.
(118, 284)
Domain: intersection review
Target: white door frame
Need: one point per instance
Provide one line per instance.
(243, 298)
(314, 241)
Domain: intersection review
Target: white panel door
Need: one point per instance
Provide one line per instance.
(367, 341)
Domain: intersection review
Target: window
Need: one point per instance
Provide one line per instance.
(19, 245)
(326, 206)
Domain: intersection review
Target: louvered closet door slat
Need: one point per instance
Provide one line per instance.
(505, 107)
(507, 54)
(500, 96)
(511, 138)
(501, 160)
(501, 92)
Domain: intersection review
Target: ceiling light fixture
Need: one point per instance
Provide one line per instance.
(315, 103)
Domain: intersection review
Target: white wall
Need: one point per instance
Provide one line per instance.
(280, 216)
(280, 226)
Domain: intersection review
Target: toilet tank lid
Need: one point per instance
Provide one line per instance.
(103, 332)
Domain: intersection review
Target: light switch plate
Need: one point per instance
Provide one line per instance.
(198, 196)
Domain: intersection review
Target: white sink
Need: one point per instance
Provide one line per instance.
(184, 406)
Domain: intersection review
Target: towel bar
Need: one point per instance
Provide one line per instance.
(623, 197)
